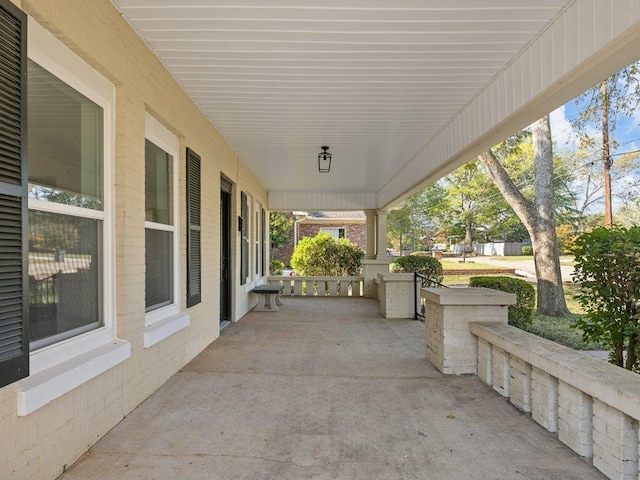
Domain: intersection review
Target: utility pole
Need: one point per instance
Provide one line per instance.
(606, 157)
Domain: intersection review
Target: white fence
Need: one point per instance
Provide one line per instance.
(319, 286)
(498, 249)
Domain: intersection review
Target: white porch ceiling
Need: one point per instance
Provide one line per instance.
(376, 80)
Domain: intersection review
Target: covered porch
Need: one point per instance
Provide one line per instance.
(325, 388)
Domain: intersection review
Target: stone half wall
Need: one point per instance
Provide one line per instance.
(592, 406)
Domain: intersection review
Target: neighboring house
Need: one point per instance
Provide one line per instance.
(349, 225)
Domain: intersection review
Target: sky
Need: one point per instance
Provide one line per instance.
(627, 135)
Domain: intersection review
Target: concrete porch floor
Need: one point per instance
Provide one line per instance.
(325, 389)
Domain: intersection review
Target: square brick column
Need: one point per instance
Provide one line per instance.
(450, 346)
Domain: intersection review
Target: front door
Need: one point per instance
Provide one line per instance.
(225, 253)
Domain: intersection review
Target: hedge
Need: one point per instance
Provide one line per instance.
(520, 314)
(427, 266)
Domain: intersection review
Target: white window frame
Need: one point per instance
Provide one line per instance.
(163, 322)
(334, 231)
(251, 276)
(60, 367)
(256, 240)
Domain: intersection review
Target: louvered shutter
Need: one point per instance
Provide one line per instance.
(14, 344)
(194, 263)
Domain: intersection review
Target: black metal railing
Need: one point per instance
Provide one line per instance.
(421, 281)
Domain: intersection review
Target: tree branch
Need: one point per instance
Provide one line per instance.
(523, 207)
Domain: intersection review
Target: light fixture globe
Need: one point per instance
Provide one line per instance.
(324, 160)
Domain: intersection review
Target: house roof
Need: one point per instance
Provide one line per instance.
(355, 215)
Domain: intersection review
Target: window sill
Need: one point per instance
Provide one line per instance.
(44, 386)
(163, 323)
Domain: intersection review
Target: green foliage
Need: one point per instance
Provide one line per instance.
(607, 268)
(419, 217)
(424, 265)
(276, 267)
(280, 228)
(520, 314)
(527, 250)
(323, 255)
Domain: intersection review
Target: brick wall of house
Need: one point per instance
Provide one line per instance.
(356, 233)
(284, 252)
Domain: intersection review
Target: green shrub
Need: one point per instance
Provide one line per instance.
(424, 265)
(607, 270)
(323, 255)
(276, 267)
(527, 251)
(520, 314)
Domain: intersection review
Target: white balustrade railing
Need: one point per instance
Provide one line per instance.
(592, 406)
(319, 286)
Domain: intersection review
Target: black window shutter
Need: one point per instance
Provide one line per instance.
(263, 243)
(244, 232)
(194, 262)
(14, 344)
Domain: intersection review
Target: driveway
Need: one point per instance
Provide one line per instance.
(525, 268)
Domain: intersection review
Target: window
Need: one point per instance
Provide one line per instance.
(244, 232)
(159, 227)
(263, 255)
(336, 232)
(256, 239)
(162, 255)
(66, 209)
(70, 239)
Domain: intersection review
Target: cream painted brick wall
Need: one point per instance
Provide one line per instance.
(615, 442)
(450, 346)
(39, 445)
(520, 384)
(575, 419)
(434, 334)
(501, 375)
(396, 295)
(485, 361)
(544, 389)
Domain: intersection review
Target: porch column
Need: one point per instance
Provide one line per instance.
(450, 346)
(379, 263)
(382, 234)
(370, 215)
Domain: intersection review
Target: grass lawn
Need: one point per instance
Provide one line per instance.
(559, 330)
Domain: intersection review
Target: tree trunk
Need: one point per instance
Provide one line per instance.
(468, 236)
(538, 218)
(606, 158)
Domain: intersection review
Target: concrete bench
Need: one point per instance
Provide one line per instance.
(269, 298)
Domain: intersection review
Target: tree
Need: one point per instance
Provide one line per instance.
(280, 228)
(468, 189)
(586, 183)
(629, 214)
(418, 217)
(537, 215)
(604, 104)
(607, 270)
(326, 256)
